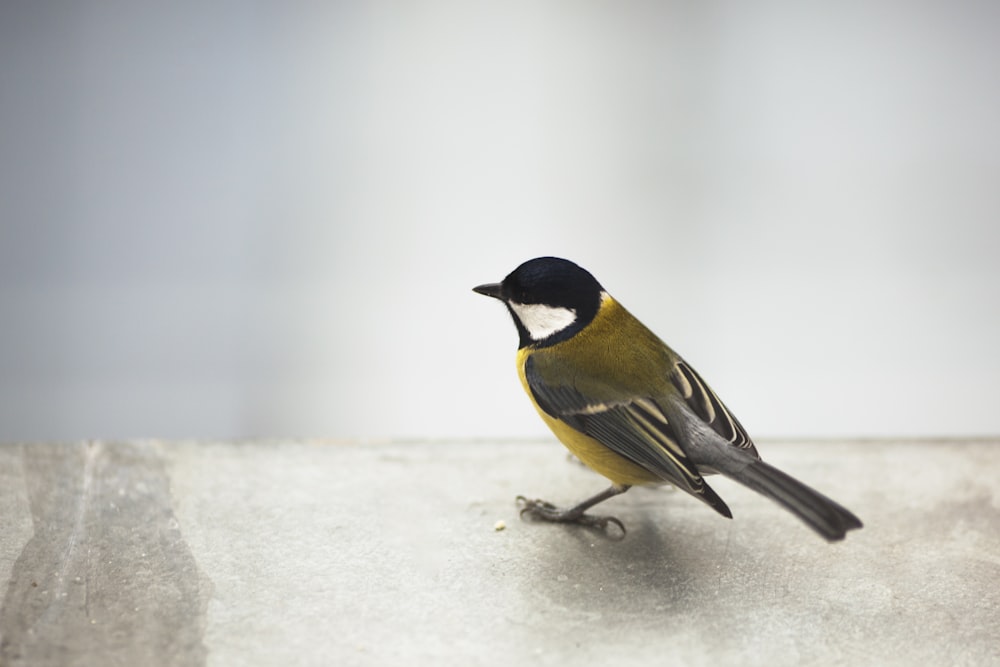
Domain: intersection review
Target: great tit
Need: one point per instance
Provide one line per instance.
(628, 406)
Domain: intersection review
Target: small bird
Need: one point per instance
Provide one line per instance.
(628, 406)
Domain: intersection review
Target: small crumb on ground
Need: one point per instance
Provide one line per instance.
(499, 525)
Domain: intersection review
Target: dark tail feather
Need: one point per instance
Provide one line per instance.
(823, 515)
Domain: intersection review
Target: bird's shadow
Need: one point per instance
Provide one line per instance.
(664, 560)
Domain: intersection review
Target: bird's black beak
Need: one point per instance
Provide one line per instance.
(492, 289)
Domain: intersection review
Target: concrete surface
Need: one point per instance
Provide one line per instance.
(312, 553)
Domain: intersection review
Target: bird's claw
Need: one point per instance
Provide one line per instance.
(538, 508)
(602, 523)
(546, 511)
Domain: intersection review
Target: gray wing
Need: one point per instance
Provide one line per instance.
(707, 406)
(636, 429)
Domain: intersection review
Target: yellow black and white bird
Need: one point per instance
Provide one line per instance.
(628, 406)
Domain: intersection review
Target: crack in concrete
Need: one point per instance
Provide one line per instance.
(116, 585)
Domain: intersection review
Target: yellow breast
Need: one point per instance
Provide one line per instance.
(594, 455)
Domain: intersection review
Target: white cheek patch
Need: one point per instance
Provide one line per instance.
(542, 321)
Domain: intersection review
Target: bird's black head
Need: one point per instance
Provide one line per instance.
(549, 298)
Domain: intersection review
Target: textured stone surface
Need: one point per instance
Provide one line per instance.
(314, 553)
(106, 578)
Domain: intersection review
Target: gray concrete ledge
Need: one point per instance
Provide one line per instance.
(311, 553)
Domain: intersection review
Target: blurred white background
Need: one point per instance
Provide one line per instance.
(233, 219)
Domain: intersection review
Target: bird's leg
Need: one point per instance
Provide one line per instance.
(546, 511)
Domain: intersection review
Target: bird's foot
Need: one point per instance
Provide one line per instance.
(542, 510)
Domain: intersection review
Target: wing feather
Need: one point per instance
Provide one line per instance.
(636, 428)
(707, 406)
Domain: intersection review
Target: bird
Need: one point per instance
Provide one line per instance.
(629, 407)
